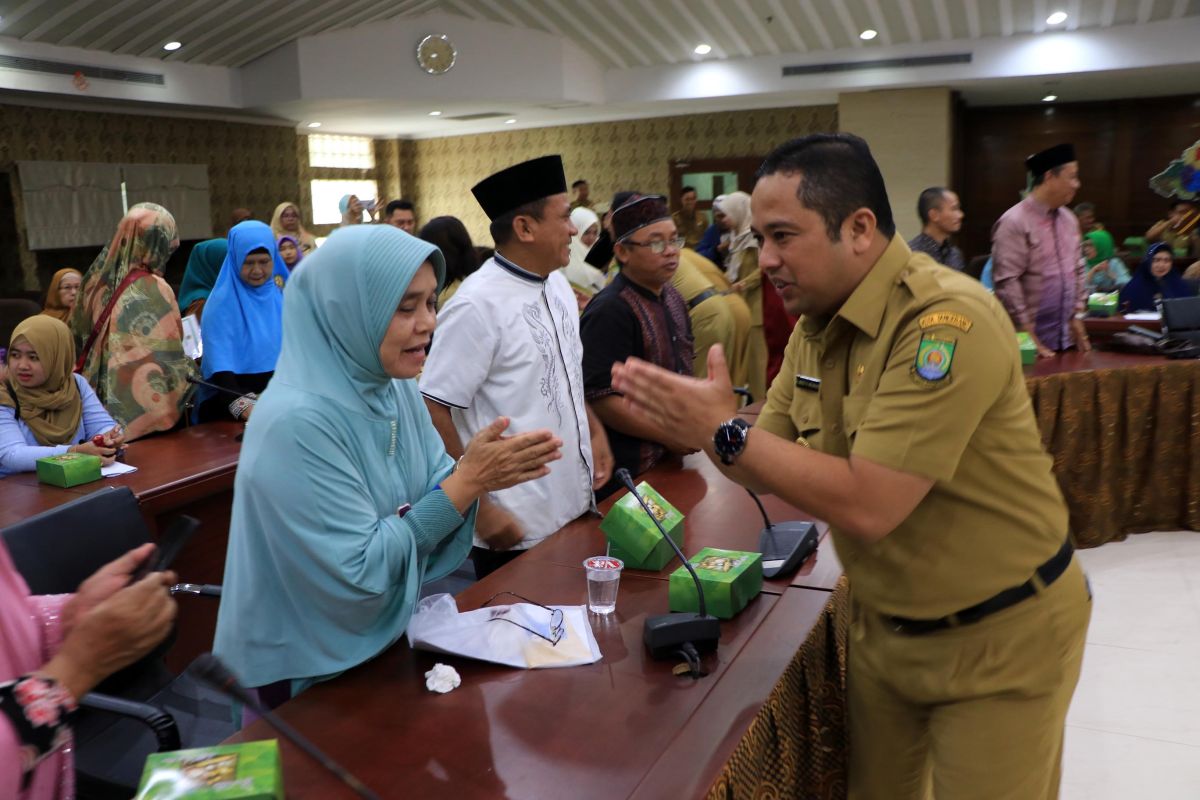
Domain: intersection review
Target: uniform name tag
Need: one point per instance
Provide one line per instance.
(951, 318)
(808, 383)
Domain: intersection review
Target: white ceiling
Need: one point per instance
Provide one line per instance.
(617, 33)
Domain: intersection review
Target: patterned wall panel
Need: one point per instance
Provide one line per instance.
(610, 155)
(252, 166)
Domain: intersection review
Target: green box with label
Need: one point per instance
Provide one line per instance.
(632, 535)
(1027, 347)
(69, 469)
(1103, 304)
(247, 771)
(731, 579)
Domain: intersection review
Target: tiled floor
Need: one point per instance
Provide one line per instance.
(1134, 726)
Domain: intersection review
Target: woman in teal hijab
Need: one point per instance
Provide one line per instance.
(345, 500)
(203, 267)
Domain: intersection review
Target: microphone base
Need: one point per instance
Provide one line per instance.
(666, 633)
(785, 546)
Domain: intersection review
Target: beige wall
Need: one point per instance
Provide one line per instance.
(910, 134)
(437, 174)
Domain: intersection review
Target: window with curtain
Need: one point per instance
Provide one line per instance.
(182, 189)
(77, 204)
(69, 204)
(327, 193)
(346, 152)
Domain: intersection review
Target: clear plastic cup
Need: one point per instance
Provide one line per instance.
(603, 579)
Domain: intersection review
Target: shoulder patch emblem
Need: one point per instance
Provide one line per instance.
(934, 356)
(950, 318)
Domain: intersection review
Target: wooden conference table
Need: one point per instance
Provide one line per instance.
(186, 472)
(623, 727)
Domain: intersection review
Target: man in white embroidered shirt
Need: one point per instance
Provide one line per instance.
(507, 344)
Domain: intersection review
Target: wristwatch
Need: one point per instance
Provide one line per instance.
(730, 439)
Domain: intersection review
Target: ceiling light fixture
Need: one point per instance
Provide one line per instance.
(1050, 98)
(172, 46)
(702, 49)
(1057, 18)
(509, 121)
(314, 124)
(868, 35)
(435, 113)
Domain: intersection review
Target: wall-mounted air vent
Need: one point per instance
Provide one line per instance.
(480, 115)
(90, 72)
(880, 63)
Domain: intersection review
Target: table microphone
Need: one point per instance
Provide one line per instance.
(784, 545)
(194, 380)
(680, 633)
(212, 671)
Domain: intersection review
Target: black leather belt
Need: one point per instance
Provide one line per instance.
(700, 298)
(1048, 573)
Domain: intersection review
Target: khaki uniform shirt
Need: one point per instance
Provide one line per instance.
(919, 371)
(692, 227)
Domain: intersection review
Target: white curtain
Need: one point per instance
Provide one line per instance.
(182, 189)
(69, 204)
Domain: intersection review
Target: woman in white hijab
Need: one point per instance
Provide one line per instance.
(585, 279)
(741, 267)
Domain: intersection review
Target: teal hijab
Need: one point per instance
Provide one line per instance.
(322, 574)
(203, 267)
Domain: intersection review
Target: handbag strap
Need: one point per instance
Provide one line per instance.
(133, 275)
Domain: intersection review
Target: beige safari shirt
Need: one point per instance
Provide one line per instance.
(919, 371)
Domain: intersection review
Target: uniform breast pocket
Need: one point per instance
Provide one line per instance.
(806, 416)
(854, 413)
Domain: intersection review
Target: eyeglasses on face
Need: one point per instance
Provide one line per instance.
(658, 246)
(556, 629)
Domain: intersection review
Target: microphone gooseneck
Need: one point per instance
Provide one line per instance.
(196, 381)
(766, 520)
(625, 478)
(212, 671)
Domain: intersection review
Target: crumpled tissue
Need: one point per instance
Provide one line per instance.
(442, 678)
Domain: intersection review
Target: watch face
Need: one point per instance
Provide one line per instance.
(435, 54)
(729, 439)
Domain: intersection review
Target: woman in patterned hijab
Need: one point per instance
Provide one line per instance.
(128, 320)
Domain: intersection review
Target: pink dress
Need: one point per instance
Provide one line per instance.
(30, 633)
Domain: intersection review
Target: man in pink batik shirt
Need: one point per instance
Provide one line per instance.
(1037, 269)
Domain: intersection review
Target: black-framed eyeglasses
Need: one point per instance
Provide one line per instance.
(556, 630)
(659, 246)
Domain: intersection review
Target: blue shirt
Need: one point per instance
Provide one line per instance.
(19, 448)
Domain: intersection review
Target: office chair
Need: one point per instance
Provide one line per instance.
(144, 708)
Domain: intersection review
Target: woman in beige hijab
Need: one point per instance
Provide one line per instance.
(741, 267)
(286, 222)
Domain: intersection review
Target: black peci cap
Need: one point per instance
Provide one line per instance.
(519, 184)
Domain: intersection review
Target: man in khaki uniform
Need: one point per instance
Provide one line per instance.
(901, 417)
(690, 221)
(713, 314)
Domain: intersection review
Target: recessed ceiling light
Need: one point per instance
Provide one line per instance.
(314, 124)
(1057, 18)
(172, 46)
(1050, 98)
(435, 113)
(702, 49)
(509, 121)
(868, 35)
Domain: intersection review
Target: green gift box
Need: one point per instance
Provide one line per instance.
(632, 535)
(731, 579)
(1103, 304)
(69, 469)
(1027, 347)
(247, 771)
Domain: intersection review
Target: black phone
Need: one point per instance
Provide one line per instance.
(170, 545)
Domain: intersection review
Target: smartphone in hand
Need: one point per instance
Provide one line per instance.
(170, 545)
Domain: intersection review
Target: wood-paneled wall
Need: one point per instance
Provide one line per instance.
(1121, 144)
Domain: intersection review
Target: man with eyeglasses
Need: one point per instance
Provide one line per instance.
(639, 314)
